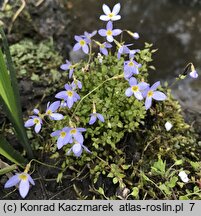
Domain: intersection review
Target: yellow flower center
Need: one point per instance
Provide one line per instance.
(62, 134)
(135, 88)
(36, 121)
(150, 93)
(49, 112)
(23, 177)
(130, 64)
(69, 93)
(109, 33)
(82, 42)
(73, 131)
(110, 15)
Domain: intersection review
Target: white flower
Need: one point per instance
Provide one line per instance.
(111, 15)
(183, 176)
(168, 126)
(100, 58)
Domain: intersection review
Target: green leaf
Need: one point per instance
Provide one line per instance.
(183, 198)
(115, 180)
(8, 169)
(101, 191)
(10, 153)
(9, 95)
(172, 182)
(135, 192)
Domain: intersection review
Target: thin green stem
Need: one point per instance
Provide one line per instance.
(44, 164)
(114, 77)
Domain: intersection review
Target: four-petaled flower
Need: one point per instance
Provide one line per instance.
(81, 43)
(87, 36)
(130, 68)
(69, 96)
(23, 179)
(123, 49)
(35, 120)
(75, 84)
(68, 66)
(77, 149)
(135, 88)
(111, 15)
(75, 135)
(103, 48)
(62, 137)
(152, 93)
(51, 109)
(94, 117)
(109, 32)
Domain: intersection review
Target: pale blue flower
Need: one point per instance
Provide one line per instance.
(136, 88)
(35, 120)
(69, 96)
(131, 68)
(94, 117)
(68, 66)
(109, 32)
(87, 36)
(51, 109)
(24, 180)
(75, 84)
(81, 43)
(62, 137)
(103, 48)
(123, 49)
(75, 135)
(77, 149)
(152, 93)
(111, 15)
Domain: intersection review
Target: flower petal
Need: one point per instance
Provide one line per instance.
(116, 8)
(102, 32)
(138, 95)
(61, 95)
(30, 179)
(24, 188)
(128, 92)
(110, 38)
(132, 81)
(116, 32)
(54, 106)
(106, 9)
(29, 123)
(104, 18)
(115, 18)
(64, 66)
(143, 85)
(55, 133)
(77, 149)
(79, 137)
(155, 86)
(160, 96)
(76, 47)
(109, 25)
(92, 119)
(148, 102)
(57, 116)
(100, 117)
(85, 49)
(12, 181)
(37, 128)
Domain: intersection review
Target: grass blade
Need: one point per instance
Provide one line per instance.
(10, 153)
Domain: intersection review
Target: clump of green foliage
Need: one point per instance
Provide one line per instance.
(40, 62)
(129, 147)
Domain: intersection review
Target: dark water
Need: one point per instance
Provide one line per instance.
(173, 26)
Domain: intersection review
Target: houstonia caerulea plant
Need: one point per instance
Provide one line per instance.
(22, 180)
(116, 84)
